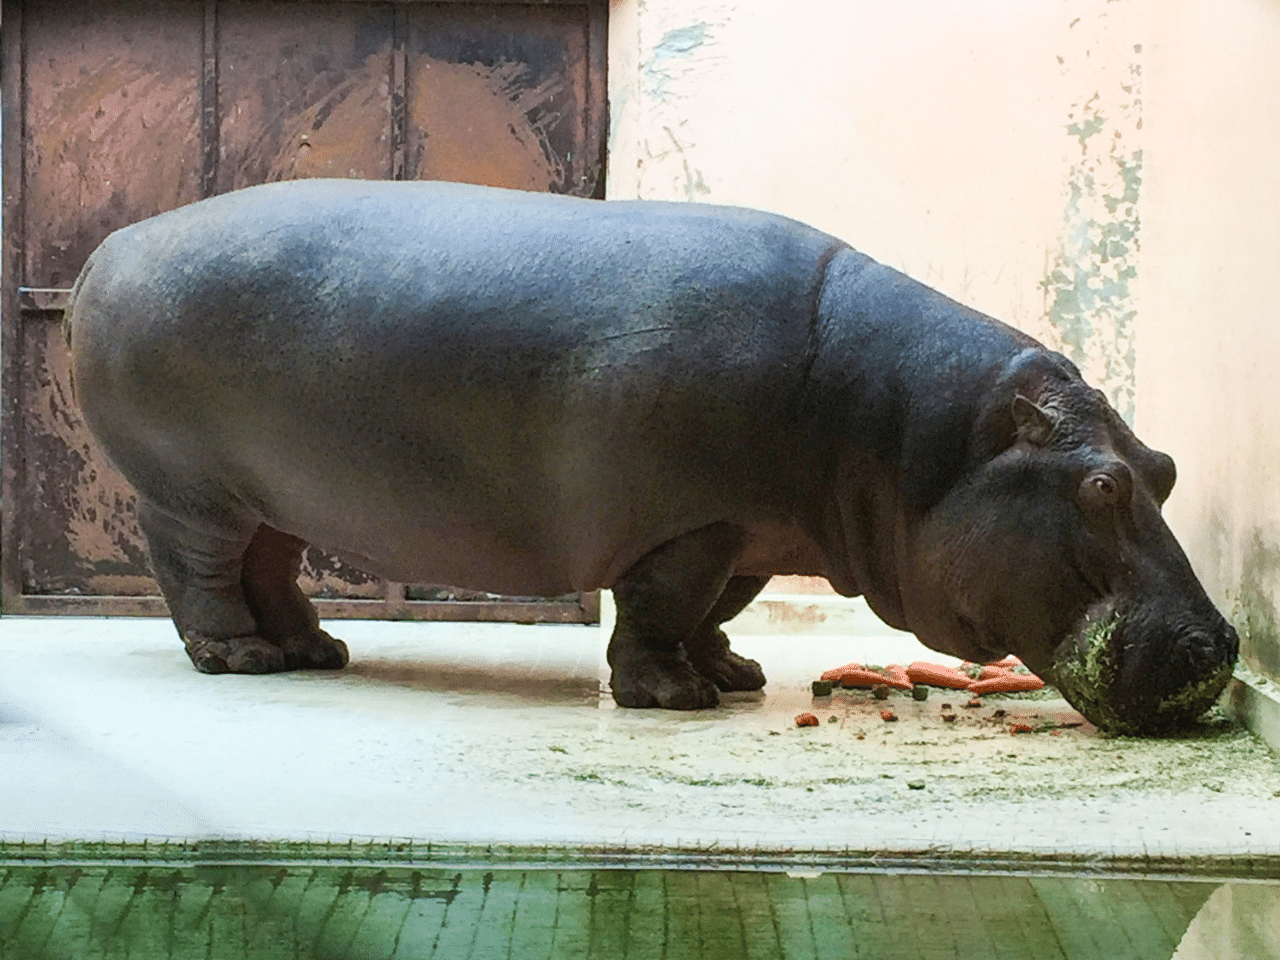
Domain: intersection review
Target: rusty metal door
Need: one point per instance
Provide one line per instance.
(116, 110)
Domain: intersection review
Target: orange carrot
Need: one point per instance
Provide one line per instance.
(833, 675)
(1008, 662)
(983, 671)
(888, 716)
(936, 675)
(806, 720)
(899, 673)
(1006, 683)
(990, 670)
(1020, 728)
(866, 679)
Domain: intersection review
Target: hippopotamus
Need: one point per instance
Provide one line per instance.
(534, 394)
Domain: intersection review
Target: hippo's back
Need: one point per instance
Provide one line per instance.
(530, 391)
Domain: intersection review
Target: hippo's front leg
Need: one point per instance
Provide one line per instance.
(662, 601)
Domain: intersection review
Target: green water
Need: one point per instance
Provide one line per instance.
(68, 912)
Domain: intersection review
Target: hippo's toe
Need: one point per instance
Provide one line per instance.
(249, 654)
(315, 650)
(709, 653)
(731, 672)
(667, 682)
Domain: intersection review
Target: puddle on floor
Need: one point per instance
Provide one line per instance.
(56, 912)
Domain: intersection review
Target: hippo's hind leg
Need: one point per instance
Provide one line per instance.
(708, 647)
(661, 602)
(284, 614)
(201, 565)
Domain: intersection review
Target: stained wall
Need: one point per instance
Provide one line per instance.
(1209, 343)
(1099, 173)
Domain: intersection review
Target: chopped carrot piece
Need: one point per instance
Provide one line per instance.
(868, 679)
(806, 720)
(936, 675)
(1008, 662)
(833, 675)
(989, 670)
(899, 673)
(1020, 728)
(1007, 683)
(888, 716)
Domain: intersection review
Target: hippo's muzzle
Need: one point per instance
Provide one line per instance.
(1130, 670)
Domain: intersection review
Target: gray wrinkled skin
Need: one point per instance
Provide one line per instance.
(533, 395)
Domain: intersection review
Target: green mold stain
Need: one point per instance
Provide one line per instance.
(1090, 307)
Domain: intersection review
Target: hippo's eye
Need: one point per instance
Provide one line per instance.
(1104, 488)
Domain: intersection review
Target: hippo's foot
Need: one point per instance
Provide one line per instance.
(252, 654)
(710, 655)
(667, 681)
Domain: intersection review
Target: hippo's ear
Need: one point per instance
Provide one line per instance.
(1033, 424)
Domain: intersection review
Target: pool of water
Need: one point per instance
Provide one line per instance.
(65, 911)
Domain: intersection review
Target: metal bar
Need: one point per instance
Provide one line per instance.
(399, 92)
(484, 3)
(596, 114)
(462, 610)
(44, 298)
(12, 47)
(475, 611)
(209, 119)
(590, 604)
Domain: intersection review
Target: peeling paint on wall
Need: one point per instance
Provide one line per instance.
(1090, 302)
(670, 57)
(680, 55)
(1253, 608)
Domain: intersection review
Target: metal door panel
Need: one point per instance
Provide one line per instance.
(499, 95)
(117, 110)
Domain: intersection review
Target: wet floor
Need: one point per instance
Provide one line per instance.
(54, 912)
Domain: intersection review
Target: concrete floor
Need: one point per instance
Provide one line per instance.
(500, 734)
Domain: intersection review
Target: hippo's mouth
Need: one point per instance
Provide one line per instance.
(1131, 672)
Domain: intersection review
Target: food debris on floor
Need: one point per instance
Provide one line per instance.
(806, 720)
(1006, 678)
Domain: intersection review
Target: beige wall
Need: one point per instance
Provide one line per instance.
(1209, 347)
(970, 145)
(1046, 161)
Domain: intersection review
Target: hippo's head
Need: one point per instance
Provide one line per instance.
(1051, 546)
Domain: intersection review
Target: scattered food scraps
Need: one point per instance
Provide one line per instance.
(975, 702)
(1004, 676)
(822, 688)
(915, 784)
(920, 692)
(806, 720)
(888, 716)
(880, 692)
(1020, 728)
